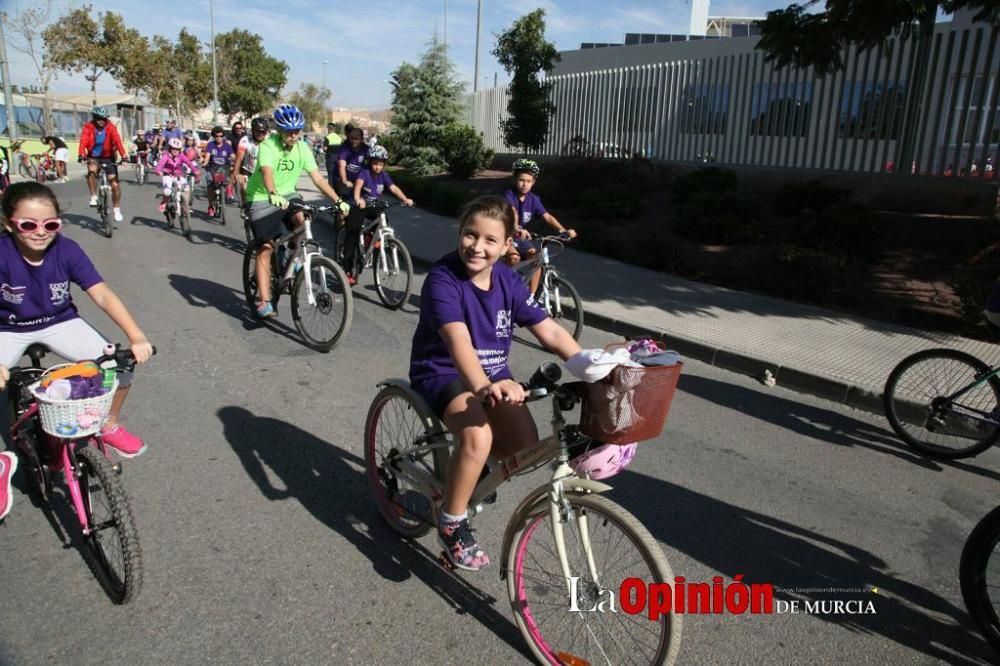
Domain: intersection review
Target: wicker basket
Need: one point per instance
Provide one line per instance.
(61, 418)
(629, 405)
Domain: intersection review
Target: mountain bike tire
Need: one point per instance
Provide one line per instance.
(564, 305)
(334, 306)
(250, 290)
(393, 285)
(920, 379)
(979, 574)
(113, 541)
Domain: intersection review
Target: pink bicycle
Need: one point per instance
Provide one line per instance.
(66, 438)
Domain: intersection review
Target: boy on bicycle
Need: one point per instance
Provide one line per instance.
(99, 143)
(527, 207)
(370, 184)
(469, 306)
(281, 159)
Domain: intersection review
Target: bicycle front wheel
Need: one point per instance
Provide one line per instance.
(979, 573)
(104, 203)
(392, 281)
(562, 303)
(620, 548)
(185, 218)
(395, 423)
(323, 322)
(113, 541)
(917, 404)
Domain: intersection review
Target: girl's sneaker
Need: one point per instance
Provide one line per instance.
(460, 545)
(122, 441)
(8, 463)
(266, 311)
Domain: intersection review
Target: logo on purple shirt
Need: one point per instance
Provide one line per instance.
(12, 294)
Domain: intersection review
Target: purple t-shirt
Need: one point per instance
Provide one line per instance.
(373, 186)
(448, 295)
(35, 297)
(528, 209)
(355, 160)
(219, 156)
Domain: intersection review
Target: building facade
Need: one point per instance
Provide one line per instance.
(717, 100)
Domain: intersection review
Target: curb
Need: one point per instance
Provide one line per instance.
(793, 379)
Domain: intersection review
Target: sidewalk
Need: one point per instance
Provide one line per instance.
(808, 349)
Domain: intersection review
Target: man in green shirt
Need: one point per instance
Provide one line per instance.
(281, 159)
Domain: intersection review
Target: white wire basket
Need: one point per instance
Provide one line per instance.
(72, 418)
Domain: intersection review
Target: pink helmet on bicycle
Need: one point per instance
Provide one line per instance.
(603, 461)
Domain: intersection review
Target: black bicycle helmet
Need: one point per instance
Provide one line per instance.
(258, 125)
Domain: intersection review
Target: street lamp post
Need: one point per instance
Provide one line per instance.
(215, 75)
(446, 26)
(8, 98)
(479, 26)
(324, 73)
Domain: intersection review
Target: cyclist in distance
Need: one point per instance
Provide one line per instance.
(246, 152)
(60, 153)
(331, 146)
(141, 146)
(37, 267)
(281, 159)
(99, 141)
(218, 157)
(154, 139)
(171, 166)
(171, 132)
(469, 305)
(236, 134)
(528, 207)
(350, 159)
(190, 150)
(370, 184)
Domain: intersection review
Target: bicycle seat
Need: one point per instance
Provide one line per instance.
(36, 352)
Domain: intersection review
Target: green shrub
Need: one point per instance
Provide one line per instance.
(423, 161)
(973, 289)
(447, 199)
(795, 198)
(726, 218)
(463, 151)
(562, 184)
(804, 274)
(708, 180)
(614, 204)
(392, 143)
(660, 251)
(847, 228)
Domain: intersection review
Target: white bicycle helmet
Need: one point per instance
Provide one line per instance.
(175, 143)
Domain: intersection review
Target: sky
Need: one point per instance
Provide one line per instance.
(364, 43)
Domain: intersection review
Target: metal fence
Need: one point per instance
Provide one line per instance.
(68, 118)
(736, 109)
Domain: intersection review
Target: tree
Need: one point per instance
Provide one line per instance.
(524, 53)
(249, 79)
(425, 101)
(176, 75)
(794, 36)
(311, 99)
(25, 36)
(78, 43)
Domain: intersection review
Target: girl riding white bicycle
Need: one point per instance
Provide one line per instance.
(459, 360)
(172, 167)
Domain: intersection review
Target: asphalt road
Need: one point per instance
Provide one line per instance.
(261, 542)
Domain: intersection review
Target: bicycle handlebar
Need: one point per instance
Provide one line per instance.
(562, 236)
(123, 358)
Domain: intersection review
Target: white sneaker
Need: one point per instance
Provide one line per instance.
(93, 200)
(118, 215)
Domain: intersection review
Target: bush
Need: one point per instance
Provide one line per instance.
(561, 184)
(423, 161)
(392, 143)
(447, 199)
(795, 198)
(804, 274)
(708, 180)
(463, 151)
(847, 228)
(727, 218)
(973, 289)
(614, 204)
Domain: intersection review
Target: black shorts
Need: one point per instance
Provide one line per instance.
(267, 221)
(108, 165)
(448, 392)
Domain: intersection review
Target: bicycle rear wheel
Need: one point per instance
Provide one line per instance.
(979, 574)
(113, 541)
(392, 283)
(562, 303)
(185, 219)
(539, 594)
(322, 324)
(251, 292)
(916, 405)
(104, 204)
(395, 423)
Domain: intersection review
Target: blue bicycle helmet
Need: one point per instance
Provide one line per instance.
(99, 112)
(288, 117)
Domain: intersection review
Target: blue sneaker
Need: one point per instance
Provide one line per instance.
(266, 311)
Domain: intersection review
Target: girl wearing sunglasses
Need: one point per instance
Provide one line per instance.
(37, 265)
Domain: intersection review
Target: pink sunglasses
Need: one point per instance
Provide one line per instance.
(27, 225)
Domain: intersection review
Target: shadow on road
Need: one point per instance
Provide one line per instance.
(804, 564)
(202, 293)
(92, 224)
(814, 422)
(327, 481)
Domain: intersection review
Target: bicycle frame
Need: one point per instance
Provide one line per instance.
(563, 480)
(381, 230)
(60, 460)
(977, 414)
(303, 235)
